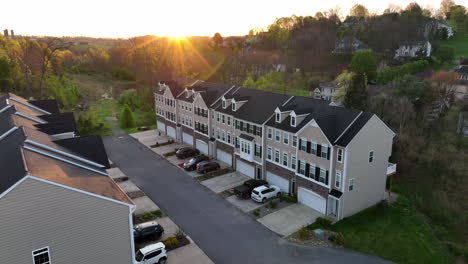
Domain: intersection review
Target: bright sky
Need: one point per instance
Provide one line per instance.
(119, 18)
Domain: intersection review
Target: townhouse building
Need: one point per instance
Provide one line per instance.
(333, 158)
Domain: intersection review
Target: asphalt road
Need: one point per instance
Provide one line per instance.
(223, 232)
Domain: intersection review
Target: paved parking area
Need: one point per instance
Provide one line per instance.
(289, 219)
(246, 205)
(225, 182)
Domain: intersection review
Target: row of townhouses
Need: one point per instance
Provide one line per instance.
(333, 158)
(57, 203)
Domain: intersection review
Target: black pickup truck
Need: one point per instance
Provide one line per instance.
(245, 190)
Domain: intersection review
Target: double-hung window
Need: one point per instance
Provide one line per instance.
(338, 179)
(286, 138)
(229, 137)
(313, 148)
(269, 153)
(270, 133)
(277, 135)
(371, 156)
(339, 156)
(285, 159)
(277, 156)
(323, 175)
(217, 117)
(228, 120)
(222, 120)
(294, 141)
(351, 184)
(41, 256)
(312, 171)
(293, 162)
(324, 151)
(302, 167)
(303, 144)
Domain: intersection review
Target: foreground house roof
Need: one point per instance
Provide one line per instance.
(78, 163)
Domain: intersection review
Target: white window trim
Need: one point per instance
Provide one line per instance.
(268, 133)
(279, 156)
(285, 154)
(303, 141)
(48, 253)
(338, 172)
(293, 124)
(294, 144)
(278, 117)
(270, 150)
(293, 162)
(276, 138)
(286, 136)
(338, 154)
(351, 185)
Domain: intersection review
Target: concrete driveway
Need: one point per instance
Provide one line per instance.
(225, 234)
(246, 205)
(225, 182)
(289, 219)
(188, 254)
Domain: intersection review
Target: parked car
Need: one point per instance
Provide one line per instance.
(147, 230)
(192, 163)
(154, 253)
(206, 166)
(265, 192)
(245, 190)
(186, 152)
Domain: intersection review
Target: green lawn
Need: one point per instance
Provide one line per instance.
(459, 43)
(395, 232)
(135, 129)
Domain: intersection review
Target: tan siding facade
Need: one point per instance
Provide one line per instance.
(77, 228)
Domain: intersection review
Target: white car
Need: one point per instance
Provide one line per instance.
(265, 192)
(151, 254)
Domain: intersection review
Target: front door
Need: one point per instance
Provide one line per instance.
(259, 173)
(334, 207)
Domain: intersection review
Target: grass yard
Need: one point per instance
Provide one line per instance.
(395, 232)
(459, 43)
(135, 129)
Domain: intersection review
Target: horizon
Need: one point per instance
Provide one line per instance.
(203, 18)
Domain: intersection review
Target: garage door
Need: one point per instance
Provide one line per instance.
(186, 138)
(276, 180)
(161, 126)
(245, 168)
(224, 157)
(202, 146)
(171, 132)
(312, 200)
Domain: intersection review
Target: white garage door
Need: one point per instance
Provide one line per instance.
(201, 146)
(276, 180)
(224, 157)
(171, 132)
(161, 126)
(312, 200)
(187, 138)
(245, 168)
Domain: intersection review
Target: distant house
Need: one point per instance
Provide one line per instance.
(352, 21)
(413, 49)
(462, 71)
(57, 203)
(349, 45)
(326, 91)
(435, 25)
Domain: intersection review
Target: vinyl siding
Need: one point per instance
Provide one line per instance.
(77, 228)
(369, 178)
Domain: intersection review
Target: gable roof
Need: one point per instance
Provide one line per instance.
(25, 150)
(259, 105)
(48, 105)
(210, 92)
(332, 120)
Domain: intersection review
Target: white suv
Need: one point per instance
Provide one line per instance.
(265, 192)
(154, 253)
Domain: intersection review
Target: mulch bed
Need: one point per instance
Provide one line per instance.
(225, 194)
(136, 194)
(182, 242)
(213, 174)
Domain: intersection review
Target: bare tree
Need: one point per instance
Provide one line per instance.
(48, 50)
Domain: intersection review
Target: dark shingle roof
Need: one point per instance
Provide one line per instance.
(50, 106)
(58, 123)
(11, 162)
(90, 147)
(246, 137)
(354, 129)
(210, 92)
(332, 120)
(259, 107)
(463, 70)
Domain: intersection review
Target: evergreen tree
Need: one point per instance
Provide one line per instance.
(356, 95)
(364, 62)
(126, 118)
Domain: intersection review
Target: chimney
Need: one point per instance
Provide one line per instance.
(5, 33)
(12, 34)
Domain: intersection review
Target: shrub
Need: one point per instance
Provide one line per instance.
(88, 124)
(169, 154)
(179, 234)
(127, 120)
(152, 215)
(340, 240)
(389, 74)
(170, 241)
(458, 249)
(288, 199)
(303, 233)
(256, 212)
(273, 205)
(122, 74)
(129, 97)
(325, 223)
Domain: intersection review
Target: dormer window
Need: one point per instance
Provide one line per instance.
(278, 117)
(233, 106)
(224, 104)
(293, 121)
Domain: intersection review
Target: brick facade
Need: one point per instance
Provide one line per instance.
(280, 171)
(301, 182)
(225, 147)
